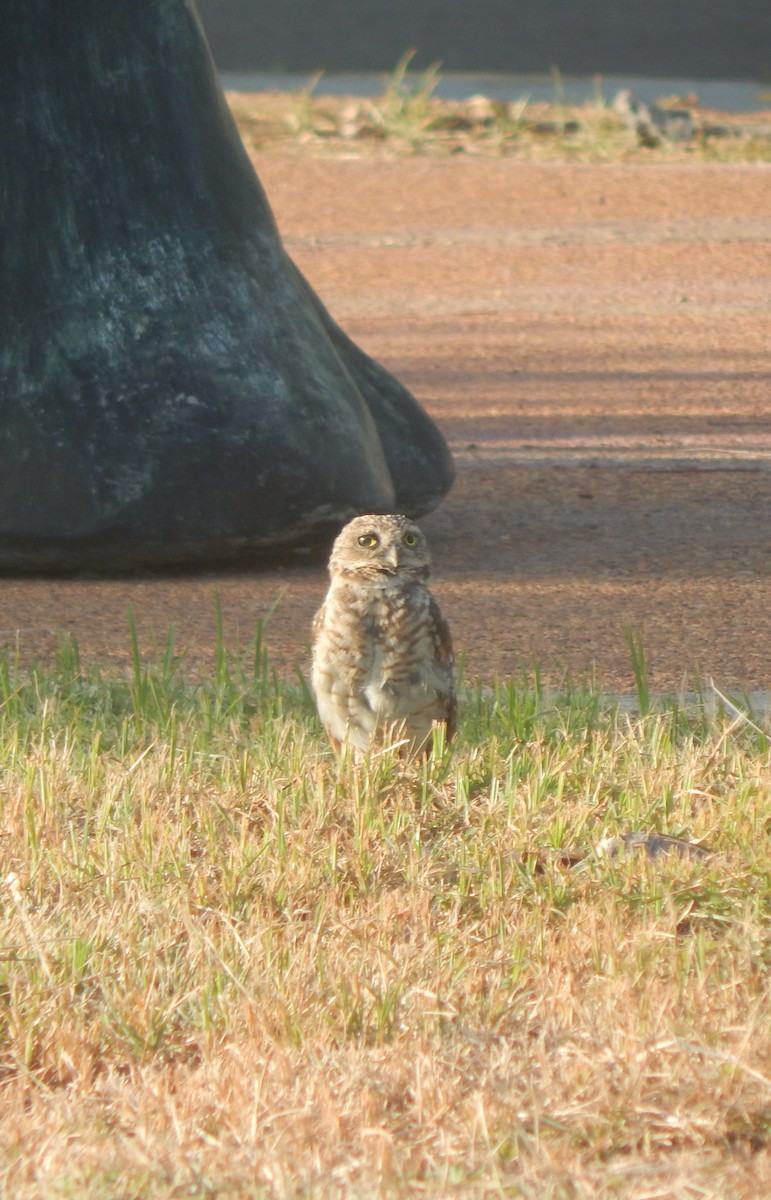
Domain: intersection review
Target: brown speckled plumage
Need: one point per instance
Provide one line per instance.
(383, 669)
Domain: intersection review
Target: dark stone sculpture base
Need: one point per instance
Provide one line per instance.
(171, 389)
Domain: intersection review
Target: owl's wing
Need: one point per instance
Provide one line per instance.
(445, 657)
(318, 622)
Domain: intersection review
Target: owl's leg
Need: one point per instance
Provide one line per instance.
(395, 736)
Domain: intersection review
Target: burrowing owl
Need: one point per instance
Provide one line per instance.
(382, 654)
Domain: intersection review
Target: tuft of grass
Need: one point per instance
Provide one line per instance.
(405, 109)
(639, 669)
(232, 965)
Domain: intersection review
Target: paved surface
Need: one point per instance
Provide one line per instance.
(693, 38)
(596, 343)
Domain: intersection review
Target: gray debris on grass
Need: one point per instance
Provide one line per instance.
(653, 844)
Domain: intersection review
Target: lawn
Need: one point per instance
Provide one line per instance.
(232, 966)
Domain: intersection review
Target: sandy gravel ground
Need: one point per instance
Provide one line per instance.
(595, 341)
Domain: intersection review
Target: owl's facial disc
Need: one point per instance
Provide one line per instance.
(383, 549)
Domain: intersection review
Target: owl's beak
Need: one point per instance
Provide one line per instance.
(392, 560)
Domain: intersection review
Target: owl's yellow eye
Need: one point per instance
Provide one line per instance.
(410, 540)
(369, 540)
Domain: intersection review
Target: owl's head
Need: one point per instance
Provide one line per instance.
(381, 548)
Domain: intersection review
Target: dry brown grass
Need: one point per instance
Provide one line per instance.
(231, 967)
(408, 119)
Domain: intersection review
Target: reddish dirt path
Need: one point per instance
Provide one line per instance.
(595, 341)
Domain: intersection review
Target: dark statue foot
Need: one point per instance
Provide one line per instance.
(172, 390)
